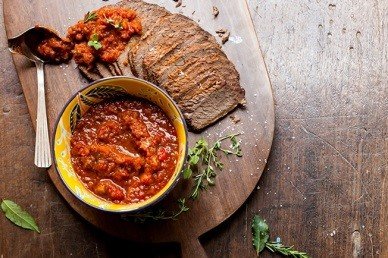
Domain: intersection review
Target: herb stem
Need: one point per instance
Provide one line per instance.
(159, 215)
(285, 250)
(204, 158)
(198, 183)
(229, 136)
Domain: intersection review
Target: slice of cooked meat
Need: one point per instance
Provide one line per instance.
(177, 40)
(113, 70)
(175, 59)
(91, 75)
(103, 70)
(123, 62)
(217, 104)
(209, 79)
(153, 14)
(179, 73)
(117, 68)
(186, 74)
(152, 37)
(169, 30)
(176, 54)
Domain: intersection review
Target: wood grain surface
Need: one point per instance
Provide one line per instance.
(325, 188)
(240, 175)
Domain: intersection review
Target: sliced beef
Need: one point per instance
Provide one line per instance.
(148, 40)
(150, 14)
(123, 62)
(103, 70)
(176, 54)
(90, 74)
(209, 79)
(175, 59)
(179, 45)
(113, 70)
(185, 76)
(215, 106)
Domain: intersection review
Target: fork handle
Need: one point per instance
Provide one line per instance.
(42, 142)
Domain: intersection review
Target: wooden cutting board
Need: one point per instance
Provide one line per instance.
(240, 175)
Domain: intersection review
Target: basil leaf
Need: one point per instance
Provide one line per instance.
(260, 233)
(14, 213)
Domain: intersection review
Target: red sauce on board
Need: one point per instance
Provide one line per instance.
(55, 49)
(124, 151)
(101, 36)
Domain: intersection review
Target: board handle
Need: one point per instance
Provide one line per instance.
(192, 248)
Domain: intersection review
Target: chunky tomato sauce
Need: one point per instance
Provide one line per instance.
(55, 49)
(101, 36)
(124, 151)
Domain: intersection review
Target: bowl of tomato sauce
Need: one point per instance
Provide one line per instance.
(120, 144)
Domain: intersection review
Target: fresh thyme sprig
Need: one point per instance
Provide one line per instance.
(159, 214)
(90, 16)
(285, 250)
(260, 237)
(204, 160)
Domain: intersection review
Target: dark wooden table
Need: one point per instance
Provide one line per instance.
(325, 187)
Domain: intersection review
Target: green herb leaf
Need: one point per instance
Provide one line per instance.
(118, 26)
(14, 213)
(285, 250)
(260, 236)
(260, 233)
(93, 42)
(203, 157)
(194, 159)
(182, 205)
(187, 173)
(90, 16)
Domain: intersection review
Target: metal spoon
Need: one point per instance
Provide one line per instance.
(26, 44)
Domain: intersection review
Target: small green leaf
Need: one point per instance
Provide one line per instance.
(202, 143)
(90, 16)
(187, 173)
(219, 164)
(93, 42)
(260, 233)
(94, 37)
(14, 213)
(234, 141)
(182, 205)
(118, 26)
(194, 159)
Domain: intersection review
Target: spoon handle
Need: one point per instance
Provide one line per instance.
(42, 142)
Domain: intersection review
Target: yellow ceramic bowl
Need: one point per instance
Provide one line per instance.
(80, 103)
